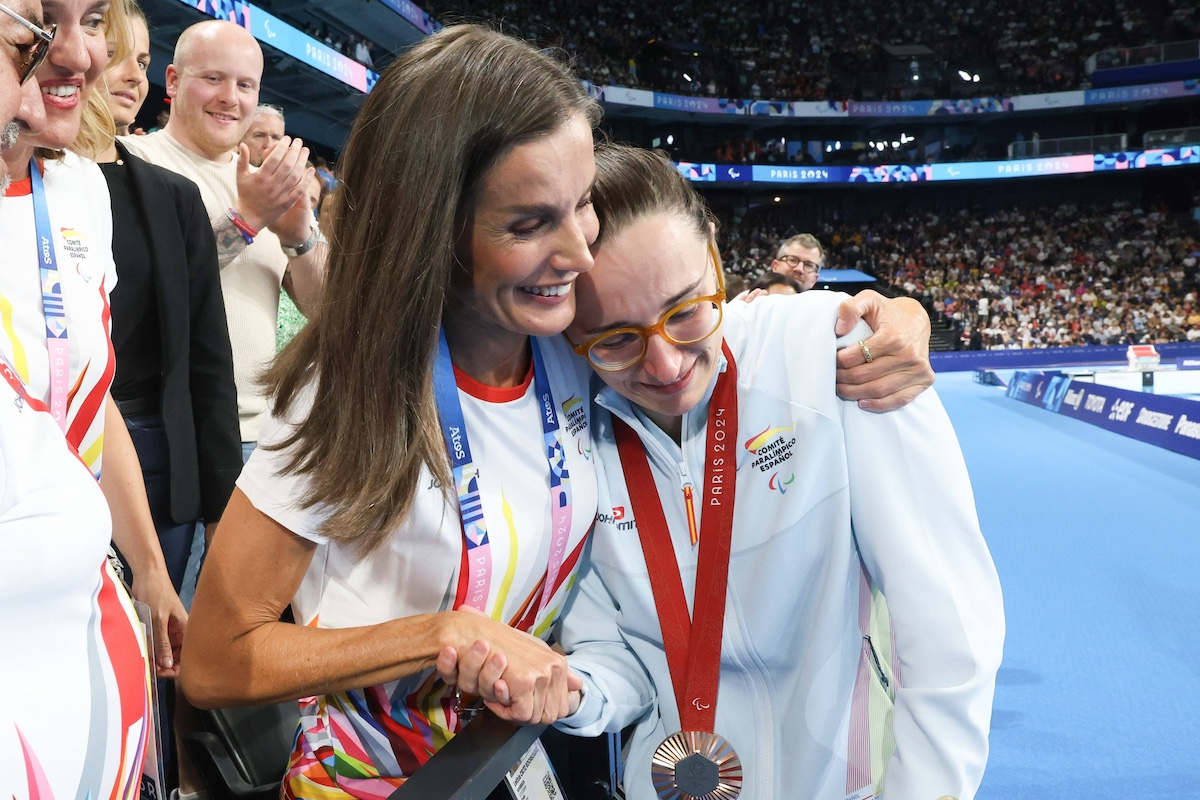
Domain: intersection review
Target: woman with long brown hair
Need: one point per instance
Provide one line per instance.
(429, 454)
(464, 208)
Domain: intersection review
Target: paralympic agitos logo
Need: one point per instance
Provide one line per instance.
(777, 484)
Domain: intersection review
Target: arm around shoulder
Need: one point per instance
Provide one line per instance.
(899, 368)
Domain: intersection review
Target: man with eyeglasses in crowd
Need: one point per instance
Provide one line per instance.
(27, 44)
(800, 257)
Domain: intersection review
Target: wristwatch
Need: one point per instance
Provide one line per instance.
(314, 235)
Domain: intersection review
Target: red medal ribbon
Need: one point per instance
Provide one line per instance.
(693, 645)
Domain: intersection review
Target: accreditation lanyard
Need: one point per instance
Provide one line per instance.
(693, 645)
(475, 578)
(54, 307)
(24, 398)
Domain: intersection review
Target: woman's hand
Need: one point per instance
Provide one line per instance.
(153, 587)
(518, 676)
(899, 368)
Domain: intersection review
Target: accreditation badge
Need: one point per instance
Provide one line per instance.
(533, 778)
(695, 765)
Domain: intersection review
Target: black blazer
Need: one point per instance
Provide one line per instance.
(199, 400)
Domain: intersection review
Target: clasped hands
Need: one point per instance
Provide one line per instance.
(518, 677)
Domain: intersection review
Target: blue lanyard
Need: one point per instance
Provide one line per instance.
(477, 572)
(54, 307)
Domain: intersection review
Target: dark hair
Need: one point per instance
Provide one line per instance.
(436, 122)
(769, 279)
(632, 182)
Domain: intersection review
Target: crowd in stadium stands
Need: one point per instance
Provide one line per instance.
(360, 48)
(1039, 277)
(821, 49)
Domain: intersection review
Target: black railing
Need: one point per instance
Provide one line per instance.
(473, 763)
(1171, 136)
(1167, 53)
(242, 754)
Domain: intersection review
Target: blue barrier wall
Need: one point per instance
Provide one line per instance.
(1169, 422)
(963, 360)
(1146, 73)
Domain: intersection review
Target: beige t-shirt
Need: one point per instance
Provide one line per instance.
(250, 282)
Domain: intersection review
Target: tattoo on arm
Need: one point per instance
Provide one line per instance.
(230, 242)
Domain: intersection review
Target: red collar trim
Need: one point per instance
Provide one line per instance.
(20, 188)
(493, 394)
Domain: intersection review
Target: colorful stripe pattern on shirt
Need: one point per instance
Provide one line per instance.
(85, 415)
(350, 742)
(120, 704)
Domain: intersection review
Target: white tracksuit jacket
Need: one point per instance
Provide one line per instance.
(825, 485)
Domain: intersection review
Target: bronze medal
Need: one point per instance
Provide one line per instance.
(694, 765)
